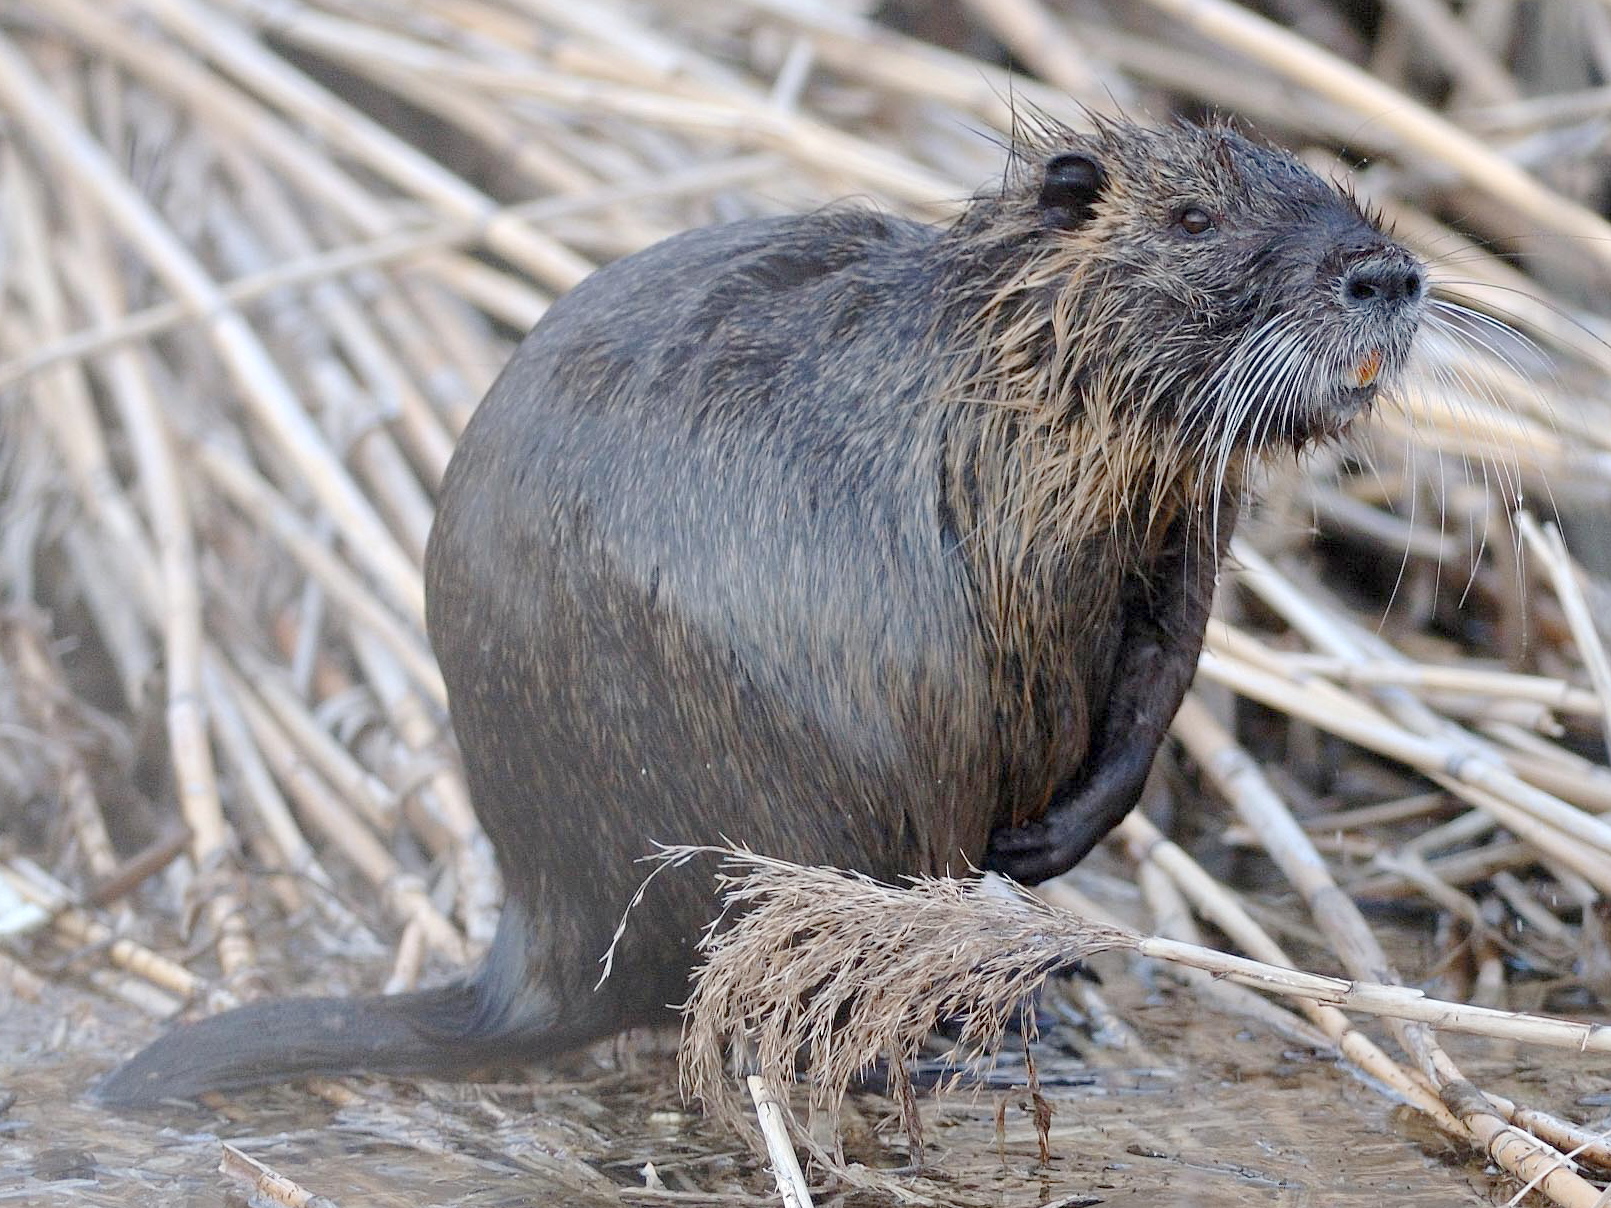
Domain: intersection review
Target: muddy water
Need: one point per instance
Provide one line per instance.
(1220, 1114)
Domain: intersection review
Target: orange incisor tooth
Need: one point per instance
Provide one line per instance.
(1367, 369)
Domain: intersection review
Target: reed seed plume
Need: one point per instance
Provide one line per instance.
(835, 973)
(818, 976)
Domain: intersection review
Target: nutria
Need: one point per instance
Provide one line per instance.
(858, 541)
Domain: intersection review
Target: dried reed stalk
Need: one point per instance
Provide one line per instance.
(254, 370)
(1547, 546)
(34, 885)
(1239, 780)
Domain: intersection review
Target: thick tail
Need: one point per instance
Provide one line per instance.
(428, 1032)
(496, 1017)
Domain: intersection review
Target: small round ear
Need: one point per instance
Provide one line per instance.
(1069, 190)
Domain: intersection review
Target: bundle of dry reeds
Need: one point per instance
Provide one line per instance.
(259, 259)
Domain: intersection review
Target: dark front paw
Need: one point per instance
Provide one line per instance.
(1031, 853)
(1039, 851)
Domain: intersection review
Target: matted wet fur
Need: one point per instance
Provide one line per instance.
(860, 542)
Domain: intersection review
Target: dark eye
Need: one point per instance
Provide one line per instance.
(1195, 220)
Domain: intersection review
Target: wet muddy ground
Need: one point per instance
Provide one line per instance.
(1213, 1112)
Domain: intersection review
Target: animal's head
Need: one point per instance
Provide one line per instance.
(1213, 287)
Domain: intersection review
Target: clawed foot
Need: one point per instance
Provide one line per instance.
(1039, 851)
(1031, 853)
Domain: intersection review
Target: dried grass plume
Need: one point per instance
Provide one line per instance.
(834, 973)
(817, 976)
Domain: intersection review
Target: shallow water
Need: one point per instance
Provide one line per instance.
(1221, 1114)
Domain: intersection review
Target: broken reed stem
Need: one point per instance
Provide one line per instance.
(816, 145)
(1502, 685)
(1239, 781)
(1543, 820)
(1171, 915)
(236, 116)
(232, 45)
(1535, 1163)
(166, 572)
(213, 845)
(773, 1118)
(1269, 818)
(1222, 908)
(350, 779)
(272, 514)
(402, 892)
(82, 928)
(267, 1185)
(1581, 839)
(64, 410)
(1388, 1001)
(258, 787)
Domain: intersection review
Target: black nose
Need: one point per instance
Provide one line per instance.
(1381, 280)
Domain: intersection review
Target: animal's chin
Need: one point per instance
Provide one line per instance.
(1342, 405)
(1322, 417)
(1354, 388)
(1348, 402)
(1342, 400)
